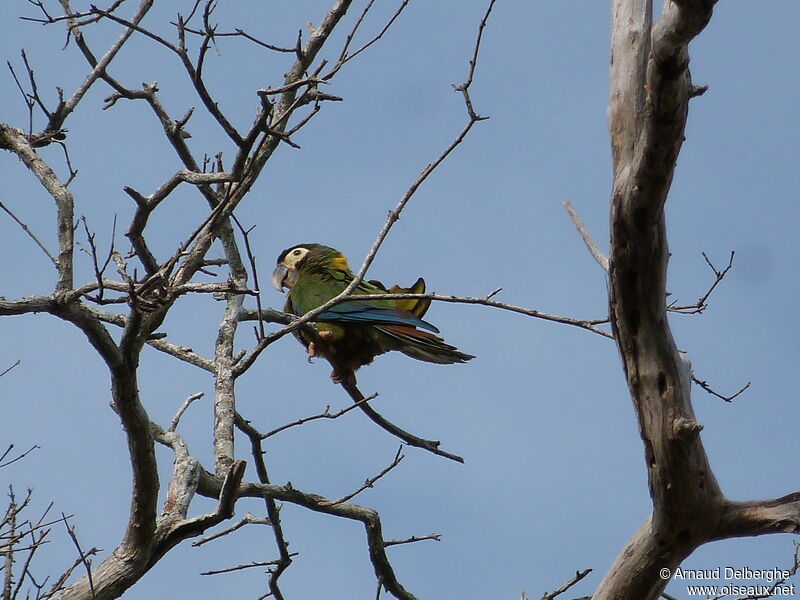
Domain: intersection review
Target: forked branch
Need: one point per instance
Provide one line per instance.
(650, 91)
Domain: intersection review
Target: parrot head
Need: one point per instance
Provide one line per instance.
(305, 258)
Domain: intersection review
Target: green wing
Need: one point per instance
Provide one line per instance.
(314, 289)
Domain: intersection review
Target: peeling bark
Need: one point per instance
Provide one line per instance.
(650, 91)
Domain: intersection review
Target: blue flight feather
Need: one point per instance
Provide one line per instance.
(357, 312)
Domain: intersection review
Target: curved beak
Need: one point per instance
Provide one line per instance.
(279, 277)
(284, 277)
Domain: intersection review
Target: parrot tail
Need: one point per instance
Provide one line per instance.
(424, 346)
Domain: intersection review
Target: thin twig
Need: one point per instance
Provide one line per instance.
(36, 543)
(326, 414)
(409, 438)
(98, 70)
(394, 214)
(8, 562)
(702, 304)
(238, 32)
(49, 20)
(40, 524)
(248, 519)
(578, 576)
(30, 233)
(587, 239)
(588, 324)
(344, 57)
(393, 217)
(473, 63)
(15, 459)
(134, 26)
(34, 95)
(19, 362)
(25, 96)
(293, 322)
(62, 580)
(273, 510)
(84, 560)
(436, 537)
(98, 269)
(707, 388)
(252, 259)
(176, 419)
(777, 583)
(267, 563)
(353, 31)
(371, 481)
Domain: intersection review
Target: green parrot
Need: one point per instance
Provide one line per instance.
(351, 334)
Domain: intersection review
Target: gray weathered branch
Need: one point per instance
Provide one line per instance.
(19, 144)
(650, 92)
(370, 518)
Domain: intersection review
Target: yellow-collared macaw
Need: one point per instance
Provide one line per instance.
(354, 332)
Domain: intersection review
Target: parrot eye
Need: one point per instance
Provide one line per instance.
(294, 257)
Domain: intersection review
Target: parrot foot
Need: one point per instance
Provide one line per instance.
(343, 376)
(322, 348)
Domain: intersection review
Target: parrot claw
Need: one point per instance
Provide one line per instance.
(321, 348)
(343, 376)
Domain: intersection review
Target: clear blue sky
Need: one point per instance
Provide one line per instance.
(554, 478)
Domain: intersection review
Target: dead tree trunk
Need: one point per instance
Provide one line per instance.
(650, 91)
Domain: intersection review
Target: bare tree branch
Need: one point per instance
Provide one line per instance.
(436, 537)
(589, 325)
(409, 438)
(18, 143)
(372, 480)
(273, 510)
(176, 419)
(710, 390)
(32, 235)
(344, 56)
(8, 369)
(567, 585)
(82, 556)
(11, 446)
(650, 92)
(587, 239)
(368, 517)
(65, 108)
(702, 304)
(241, 567)
(326, 414)
(394, 214)
(247, 520)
